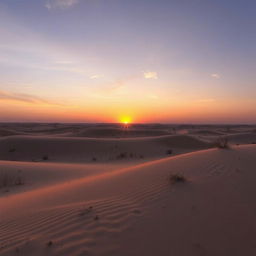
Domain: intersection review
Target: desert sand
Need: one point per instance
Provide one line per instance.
(103, 189)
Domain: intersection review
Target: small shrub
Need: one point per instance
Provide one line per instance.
(8, 179)
(169, 151)
(50, 243)
(4, 180)
(94, 159)
(122, 155)
(45, 157)
(19, 181)
(11, 150)
(177, 178)
(222, 143)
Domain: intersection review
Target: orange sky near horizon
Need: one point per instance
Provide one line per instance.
(146, 112)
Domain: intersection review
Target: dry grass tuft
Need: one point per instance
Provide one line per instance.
(177, 178)
(8, 179)
(45, 157)
(222, 143)
(169, 151)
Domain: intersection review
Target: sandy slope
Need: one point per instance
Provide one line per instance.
(36, 175)
(243, 138)
(136, 211)
(79, 150)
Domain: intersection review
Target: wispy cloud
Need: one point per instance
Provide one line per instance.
(215, 75)
(95, 76)
(27, 98)
(150, 75)
(63, 4)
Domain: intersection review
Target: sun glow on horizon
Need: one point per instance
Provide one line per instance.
(125, 120)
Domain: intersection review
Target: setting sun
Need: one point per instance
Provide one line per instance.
(125, 120)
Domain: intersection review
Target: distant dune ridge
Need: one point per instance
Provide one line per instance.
(68, 149)
(170, 192)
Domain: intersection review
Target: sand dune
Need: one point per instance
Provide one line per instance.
(68, 150)
(85, 130)
(208, 132)
(65, 194)
(35, 175)
(243, 138)
(137, 211)
(117, 132)
(8, 132)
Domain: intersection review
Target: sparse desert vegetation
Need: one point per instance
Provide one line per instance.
(222, 143)
(45, 157)
(125, 155)
(169, 151)
(122, 155)
(177, 178)
(96, 217)
(8, 179)
(50, 243)
(11, 150)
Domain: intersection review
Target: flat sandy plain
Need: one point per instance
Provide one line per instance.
(106, 189)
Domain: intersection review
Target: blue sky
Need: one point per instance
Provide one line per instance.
(96, 60)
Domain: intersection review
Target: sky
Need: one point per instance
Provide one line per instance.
(161, 61)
